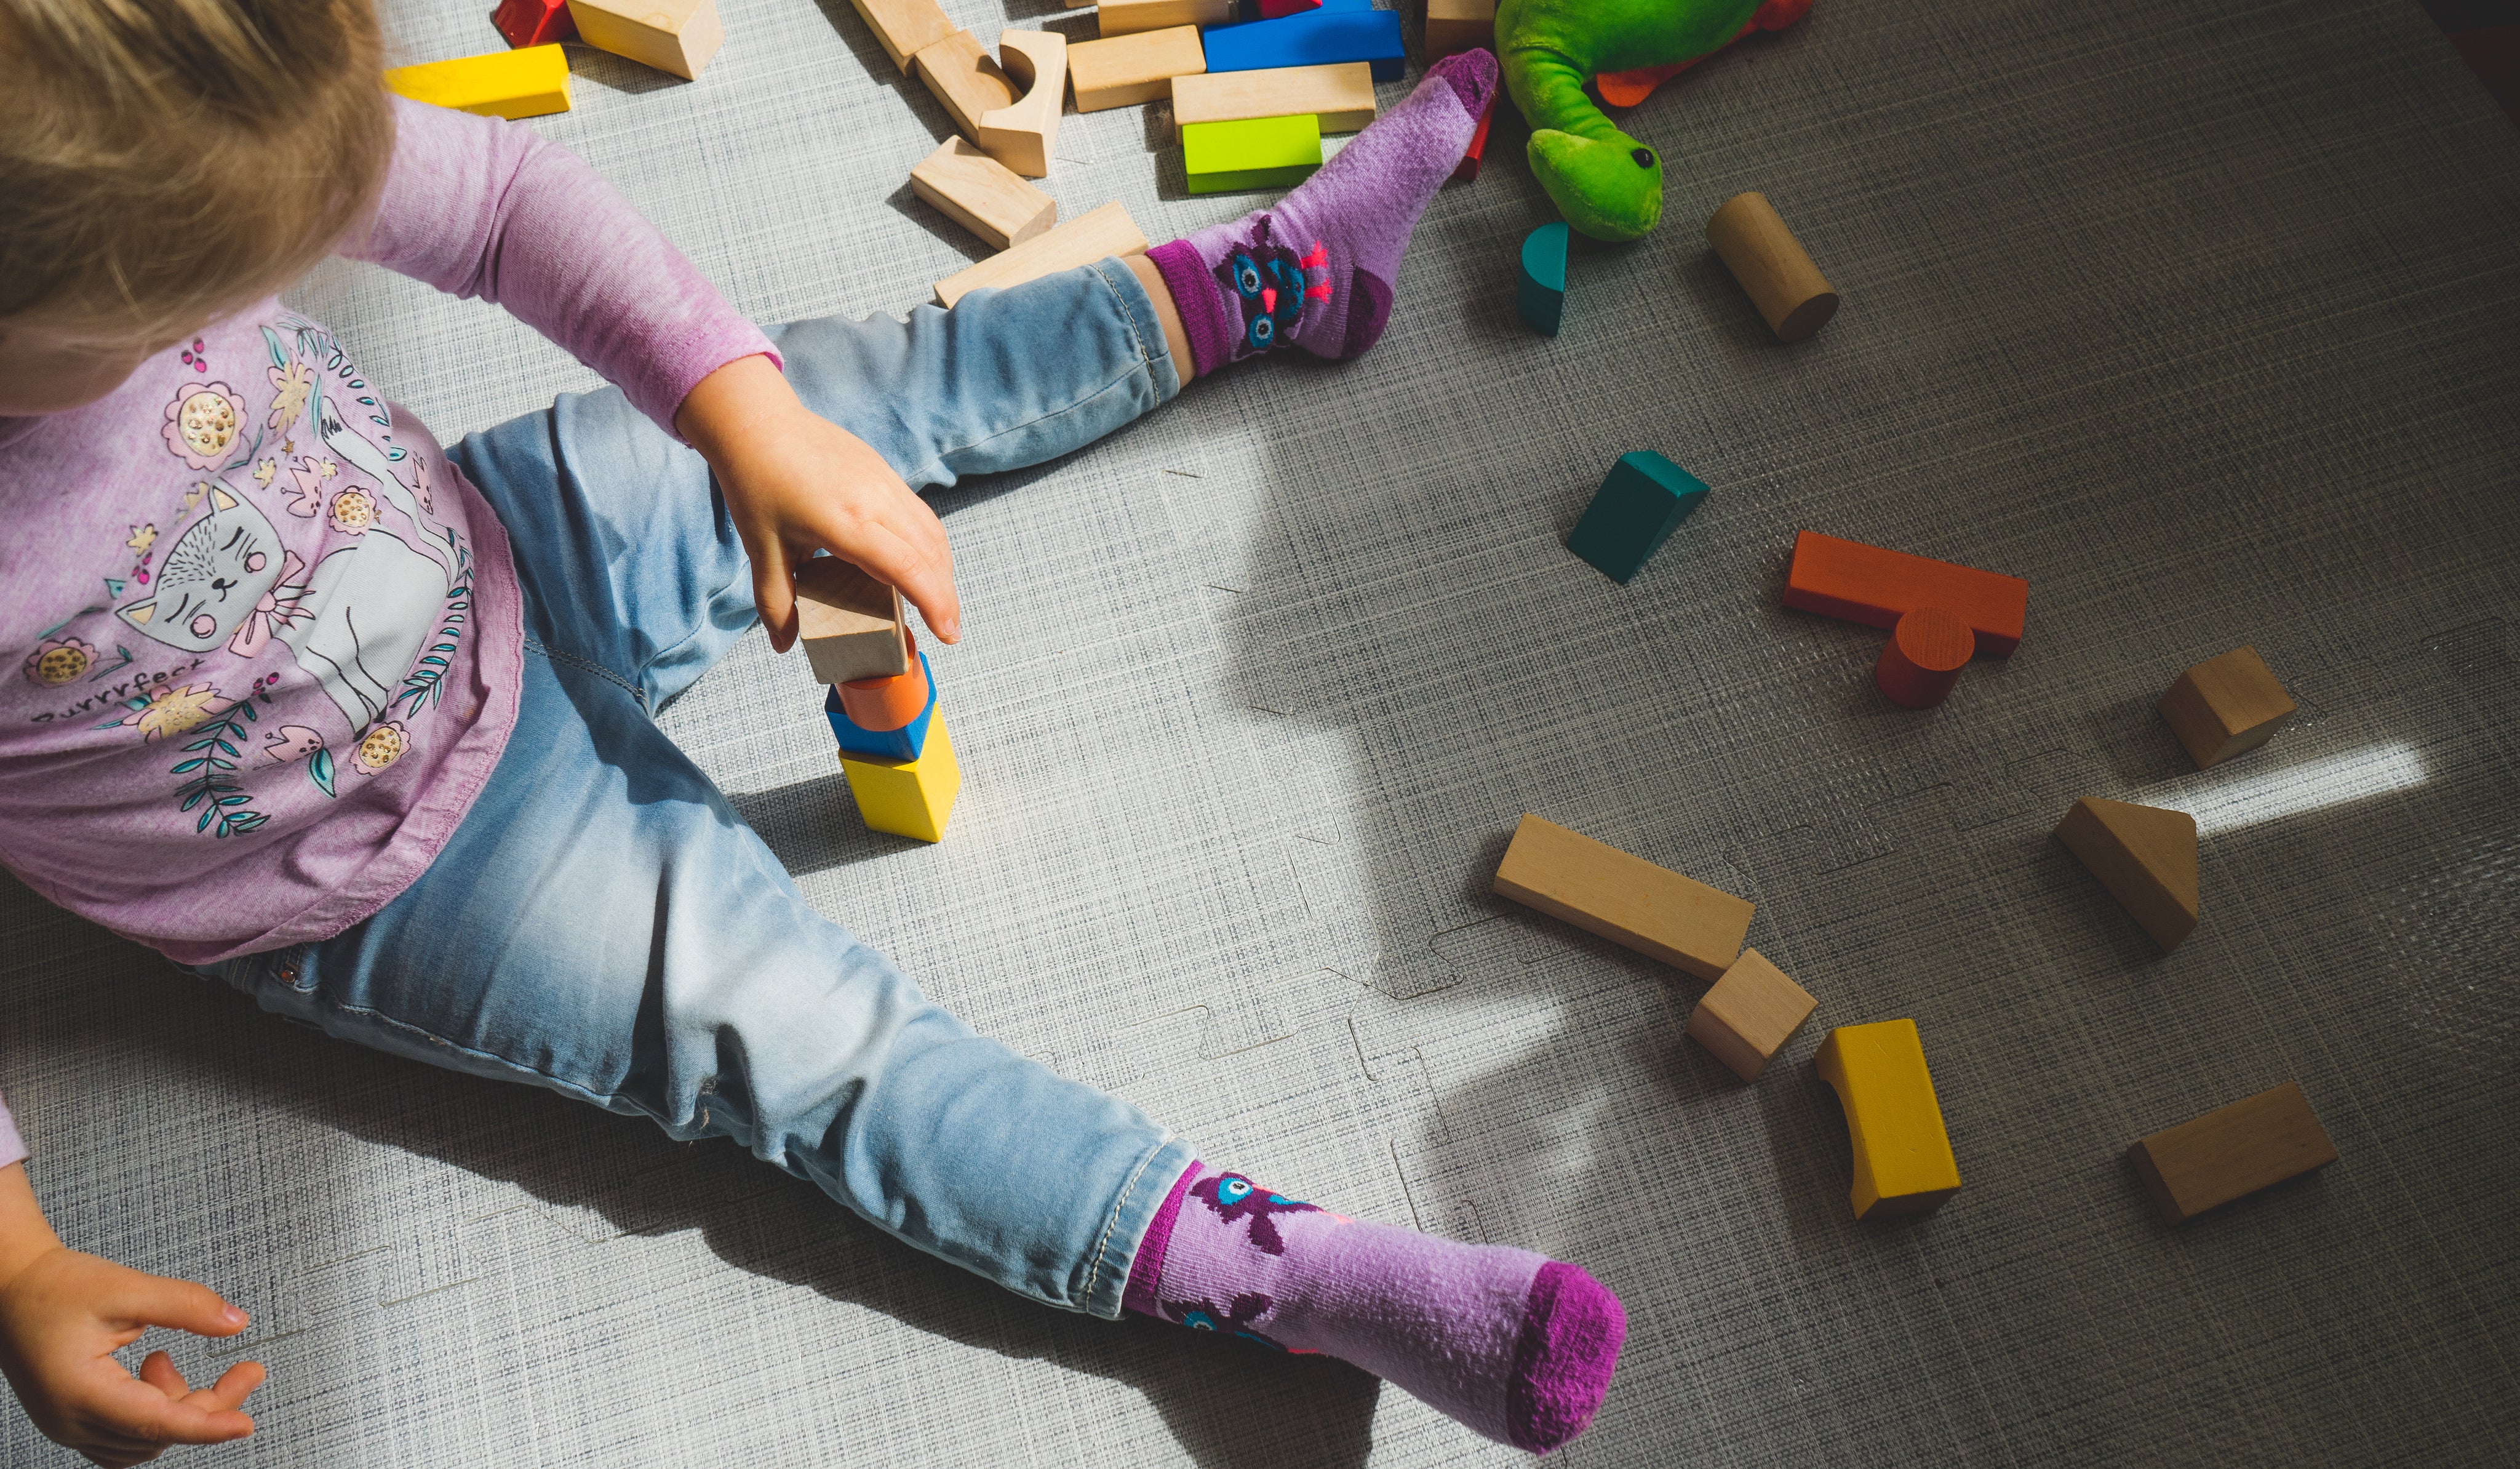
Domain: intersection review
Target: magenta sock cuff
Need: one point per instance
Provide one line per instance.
(1146, 1266)
(1201, 303)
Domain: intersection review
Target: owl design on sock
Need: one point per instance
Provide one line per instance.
(1273, 285)
(1234, 1197)
(1200, 1316)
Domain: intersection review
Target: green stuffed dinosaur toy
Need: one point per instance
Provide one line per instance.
(1607, 184)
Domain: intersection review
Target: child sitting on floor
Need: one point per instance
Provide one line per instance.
(366, 728)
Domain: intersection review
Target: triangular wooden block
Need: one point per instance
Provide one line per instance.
(2144, 856)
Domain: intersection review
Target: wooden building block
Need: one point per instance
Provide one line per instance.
(1271, 10)
(1460, 26)
(966, 79)
(2255, 1143)
(533, 22)
(982, 195)
(1024, 133)
(1766, 259)
(1750, 1014)
(2225, 705)
(1314, 37)
(671, 36)
(1104, 233)
(1922, 663)
(908, 798)
(1624, 900)
(1340, 96)
(1903, 1155)
(849, 623)
(1468, 167)
(1540, 281)
(1133, 68)
(1640, 504)
(1129, 16)
(1847, 579)
(2144, 856)
(883, 718)
(1256, 152)
(532, 83)
(905, 27)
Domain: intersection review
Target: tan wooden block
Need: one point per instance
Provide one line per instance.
(1100, 235)
(966, 79)
(2234, 1151)
(1750, 1014)
(982, 195)
(849, 623)
(1460, 26)
(2144, 856)
(1133, 68)
(1129, 16)
(2225, 705)
(671, 36)
(1772, 266)
(1340, 95)
(905, 27)
(1024, 133)
(1623, 899)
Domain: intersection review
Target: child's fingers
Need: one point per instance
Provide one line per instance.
(886, 555)
(139, 1414)
(155, 1301)
(231, 1390)
(158, 1371)
(773, 596)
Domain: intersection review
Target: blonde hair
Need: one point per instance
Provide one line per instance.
(164, 162)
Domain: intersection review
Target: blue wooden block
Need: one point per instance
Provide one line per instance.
(903, 743)
(1540, 286)
(1315, 38)
(1634, 510)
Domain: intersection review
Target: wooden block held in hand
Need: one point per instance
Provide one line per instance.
(1867, 584)
(671, 36)
(1750, 1014)
(1024, 133)
(1100, 235)
(1342, 95)
(849, 623)
(2225, 705)
(2144, 856)
(905, 27)
(531, 83)
(1133, 68)
(983, 195)
(1623, 899)
(1460, 26)
(1129, 16)
(966, 79)
(1765, 257)
(1903, 1154)
(2252, 1144)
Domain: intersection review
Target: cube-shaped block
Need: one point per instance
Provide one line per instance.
(905, 743)
(528, 83)
(2225, 705)
(908, 798)
(1634, 510)
(1252, 153)
(1540, 278)
(1750, 1014)
(1311, 38)
(1903, 1155)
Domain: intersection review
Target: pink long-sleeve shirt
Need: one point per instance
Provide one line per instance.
(259, 642)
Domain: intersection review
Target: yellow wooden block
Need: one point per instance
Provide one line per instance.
(1903, 1157)
(908, 798)
(523, 83)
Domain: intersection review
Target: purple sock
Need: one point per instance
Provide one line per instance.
(1317, 270)
(1517, 1346)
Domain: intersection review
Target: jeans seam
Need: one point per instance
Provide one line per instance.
(1111, 1221)
(588, 665)
(1146, 358)
(1119, 380)
(606, 1101)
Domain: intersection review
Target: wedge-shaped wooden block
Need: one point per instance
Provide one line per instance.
(966, 79)
(671, 36)
(1100, 235)
(982, 195)
(908, 798)
(1623, 899)
(531, 82)
(1256, 152)
(1903, 1155)
(1133, 68)
(905, 27)
(2252, 1144)
(1340, 96)
(1129, 16)
(1460, 26)
(2144, 856)
(1750, 1014)
(1641, 502)
(1847, 579)
(1024, 133)
(849, 623)
(2225, 705)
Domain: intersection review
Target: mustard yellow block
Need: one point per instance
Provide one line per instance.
(1903, 1157)
(524, 83)
(908, 798)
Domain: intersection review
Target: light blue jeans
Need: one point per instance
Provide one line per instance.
(604, 924)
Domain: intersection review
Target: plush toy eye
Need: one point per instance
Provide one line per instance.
(1230, 1189)
(1247, 276)
(1644, 157)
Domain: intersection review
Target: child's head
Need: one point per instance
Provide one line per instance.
(163, 163)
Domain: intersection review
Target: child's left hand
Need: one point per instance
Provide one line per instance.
(796, 481)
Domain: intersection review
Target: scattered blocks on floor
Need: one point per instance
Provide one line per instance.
(1922, 663)
(1340, 97)
(1105, 231)
(1637, 507)
(982, 195)
(1129, 16)
(908, 798)
(2255, 1143)
(883, 718)
(1256, 152)
(530, 83)
(1847, 579)
(1903, 1155)
(1540, 285)
(533, 22)
(1623, 899)
(1763, 257)
(966, 79)
(905, 27)
(1750, 1014)
(2144, 856)
(1458, 26)
(2225, 705)
(671, 36)
(1024, 133)
(1468, 167)
(849, 624)
(1128, 70)
(1314, 37)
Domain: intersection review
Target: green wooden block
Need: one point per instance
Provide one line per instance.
(1634, 510)
(1255, 152)
(1540, 288)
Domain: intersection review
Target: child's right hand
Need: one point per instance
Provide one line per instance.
(64, 1315)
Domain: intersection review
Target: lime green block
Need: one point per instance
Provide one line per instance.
(1257, 153)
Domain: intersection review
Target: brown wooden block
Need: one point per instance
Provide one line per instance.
(1623, 899)
(849, 623)
(905, 27)
(1750, 1014)
(1340, 95)
(1770, 263)
(2225, 705)
(982, 195)
(671, 36)
(2144, 856)
(1460, 26)
(1129, 16)
(1024, 133)
(2252, 1144)
(966, 79)
(1100, 235)
(1133, 68)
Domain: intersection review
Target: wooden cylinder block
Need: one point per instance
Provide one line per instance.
(1922, 661)
(882, 704)
(1784, 284)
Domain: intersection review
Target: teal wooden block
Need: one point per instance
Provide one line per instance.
(1540, 293)
(1254, 153)
(1634, 510)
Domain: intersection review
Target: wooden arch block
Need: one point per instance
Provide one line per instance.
(2255, 1143)
(1750, 1014)
(983, 195)
(1623, 899)
(2225, 705)
(2144, 856)
(1903, 1155)
(966, 79)
(849, 623)
(1024, 133)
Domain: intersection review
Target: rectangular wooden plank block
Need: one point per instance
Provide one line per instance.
(2231, 1152)
(1847, 579)
(1256, 152)
(1340, 95)
(1894, 1123)
(1623, 899)
(671, 36)
(1129, 16)
(849, 624)
(1316, 37)
(966, 79)
(982, 195)
(905, 27)
(531, 83)
(1104, 233)
(1133, 68)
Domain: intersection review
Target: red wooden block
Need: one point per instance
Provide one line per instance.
(1923, 658)
(1468, 167)
(1271, 10)
(1847, 579)
(535, 22)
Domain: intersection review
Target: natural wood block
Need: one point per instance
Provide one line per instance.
(1922, 663)
(1342, 95)
(908, 798)
(1256, 152)
(1847, 579)
(849, 623)
(1769, 262)
(1100, 235)
(1129, 16)
(982, 195)
(533, 22)
(1460, 26)
(1903, 1155)
(2225, 705)
(1750, 1014)
(525, 84)
(2252, 1144)
(671, 36)
(1133, 68)
(2144, 856)
(1623, 899)
(966, 79)
(905, 27)
(1024, 133)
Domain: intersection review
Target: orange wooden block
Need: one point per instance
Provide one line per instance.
(1922, 661)
(1750, 1014)
(2254, 1143)
(1847, 579)
(888, 702)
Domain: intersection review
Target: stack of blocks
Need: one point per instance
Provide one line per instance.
(894, 748)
